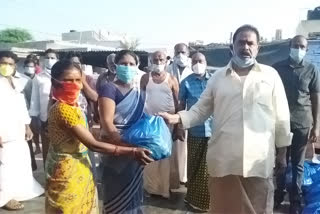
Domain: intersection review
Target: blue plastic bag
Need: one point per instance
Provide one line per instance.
(150, 132)
(311, 188)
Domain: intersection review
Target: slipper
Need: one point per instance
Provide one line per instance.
(13, 205)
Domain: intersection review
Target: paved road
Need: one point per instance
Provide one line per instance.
(152, 205)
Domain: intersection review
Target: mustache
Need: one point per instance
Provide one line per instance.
(245, 53)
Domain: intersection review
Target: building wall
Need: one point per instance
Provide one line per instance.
(308, 26)
(100, 38)
(313, 53)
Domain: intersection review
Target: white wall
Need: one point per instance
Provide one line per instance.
(308, 26)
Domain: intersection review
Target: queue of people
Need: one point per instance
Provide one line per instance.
(232, 129)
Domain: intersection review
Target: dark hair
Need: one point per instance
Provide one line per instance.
(245, 28)
(34, 58)
(9, 54)
(29, 60)
(297, 37)
(122, 53)
(51, 51)
(59, 68)
(72, 54)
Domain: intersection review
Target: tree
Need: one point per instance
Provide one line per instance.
(14, 35)
(130, 44)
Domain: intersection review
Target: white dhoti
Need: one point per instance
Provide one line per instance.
(16, 179)
(182, 154)
(156, 178)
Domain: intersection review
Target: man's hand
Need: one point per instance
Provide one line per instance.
(29, 134)
(314, 135)
(84, 78)
(281, 161)
(1, 144)
(170, 118)
(180, 134)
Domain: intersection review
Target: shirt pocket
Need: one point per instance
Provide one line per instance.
(304, 85)
(263, 93)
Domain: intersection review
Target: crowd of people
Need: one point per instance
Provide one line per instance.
(234, 130)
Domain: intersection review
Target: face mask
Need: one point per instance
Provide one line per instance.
(243, 62)
(126, 73)
(158, 68)
(181, 60)
(49, 63)
(297, 55)
(199, 68)
(67, 92)
(6, 70)
(29, 70)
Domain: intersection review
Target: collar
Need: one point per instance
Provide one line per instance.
(230, 70)
(294, 65)
(17, 75)
(206, 76)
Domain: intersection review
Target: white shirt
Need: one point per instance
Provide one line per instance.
(250, 121)
(13, 112)
(20, 81)
(41, 87)
(173, 69)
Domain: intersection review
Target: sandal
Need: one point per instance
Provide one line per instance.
(13, 205)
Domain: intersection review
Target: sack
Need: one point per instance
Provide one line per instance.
(150, 132)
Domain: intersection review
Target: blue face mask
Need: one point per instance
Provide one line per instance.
(126, 73)
(297, 54)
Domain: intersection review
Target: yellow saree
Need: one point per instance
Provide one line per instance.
(70, 187)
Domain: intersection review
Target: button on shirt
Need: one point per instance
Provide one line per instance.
(299, 82)
(190, 90)
(251, 119)
(41, 87)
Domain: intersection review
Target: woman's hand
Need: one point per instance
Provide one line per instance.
(142, 155)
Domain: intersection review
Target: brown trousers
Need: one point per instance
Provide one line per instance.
(238, 195)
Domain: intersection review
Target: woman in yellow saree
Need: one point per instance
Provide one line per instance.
(70, 188)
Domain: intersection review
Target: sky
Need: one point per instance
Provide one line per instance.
(156, 23)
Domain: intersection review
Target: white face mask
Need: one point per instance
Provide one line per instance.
(243, 62)
(199, 68)
(297, 55)
(158, 68)
(182, 60)
(48, 63)
(29, 70)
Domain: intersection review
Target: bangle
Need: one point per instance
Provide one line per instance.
(115, 152)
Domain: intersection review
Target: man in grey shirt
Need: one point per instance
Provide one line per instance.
(302, 85)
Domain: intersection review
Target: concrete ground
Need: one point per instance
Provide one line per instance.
(152, 205)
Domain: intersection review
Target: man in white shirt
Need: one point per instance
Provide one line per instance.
(41, 88)
(16, 179)
(180, 68)
(251, 119)
(181, 65)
